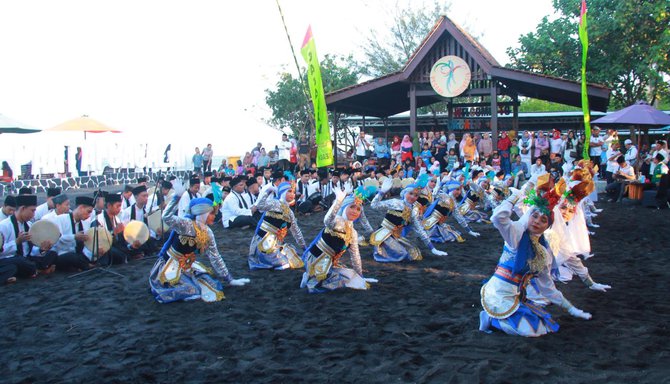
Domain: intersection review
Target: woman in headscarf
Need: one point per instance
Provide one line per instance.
(177, 275)
(526, 255)
(267, 249)
(406, 148)
(396, 150)
(475, 199)
(445, 205)
(324, 269)
(470, 149)
(389, 242)
(525, 149)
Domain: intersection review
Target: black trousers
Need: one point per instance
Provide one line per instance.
(72, 260)
(284, 164)
(243, 221)
(305, 207)
(7, 270)
(45, 261)
(24, 268)
(115, 255)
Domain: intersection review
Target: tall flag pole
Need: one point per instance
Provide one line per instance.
(584, 38)
(324, 151)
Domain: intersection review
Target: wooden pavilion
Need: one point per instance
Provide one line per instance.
(492, 88)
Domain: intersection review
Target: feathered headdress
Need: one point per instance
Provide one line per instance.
(581, 183)
(546, 195)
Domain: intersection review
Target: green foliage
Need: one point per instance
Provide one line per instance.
(289, 104)
(629, 44)
(537, 105)
(388, 50)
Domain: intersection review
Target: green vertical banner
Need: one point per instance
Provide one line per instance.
(324, 151)
(584, 38)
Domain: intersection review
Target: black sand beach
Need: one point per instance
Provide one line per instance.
(418, 324)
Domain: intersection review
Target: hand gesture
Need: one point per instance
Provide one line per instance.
(474, 234)
(437, 252)
(370, 280)
(22, 237)
(267, 188)
(136, 244)
(239, 282)
(81, 236)
(600, 287)
(576, 312)
(119, 228)
(46, 245)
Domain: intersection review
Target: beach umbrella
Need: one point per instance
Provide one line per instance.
(84, 124)
(8, 125)
(639, 113)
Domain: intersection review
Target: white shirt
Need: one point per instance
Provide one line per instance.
(184, 201)
(125, 203)
(285, 150)
(612, 165)
(595, 146)
(232, 207)
(41, 210)
(67, 242)
(663, 153)
(537, 170)
(2, 215)
(631, 155)
(360, 147)
(556, 145)
(9, 247)
(249, 198)
(627, 170)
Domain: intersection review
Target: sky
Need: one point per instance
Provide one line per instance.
(192, 72)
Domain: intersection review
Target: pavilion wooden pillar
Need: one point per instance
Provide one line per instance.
(515, 115)
(335, 146)
(386, 130)
(450, 114)
(412, 110)
(494, 114)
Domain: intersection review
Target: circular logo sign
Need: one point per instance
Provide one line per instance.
(450, 76)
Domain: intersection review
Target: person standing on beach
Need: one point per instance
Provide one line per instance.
(526, 255)
(207, 155)
(197, 161)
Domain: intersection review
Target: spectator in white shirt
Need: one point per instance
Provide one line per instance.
(235, 211)
(284, 154)
(660, 149)
(631, 153)
(595, 144)
(612, 155)
(537, 169)
(362, 146)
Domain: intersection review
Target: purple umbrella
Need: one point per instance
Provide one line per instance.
(639, 113)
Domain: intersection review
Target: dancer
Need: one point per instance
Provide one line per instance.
(438, 213)
(475, 199)
(324, 271)
(525, 255)
(267, 249)
(176, 275)
(390, 244)
(568, 235)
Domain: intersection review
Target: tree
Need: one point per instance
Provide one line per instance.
(289, 105)
(388, 50)
(629, 46)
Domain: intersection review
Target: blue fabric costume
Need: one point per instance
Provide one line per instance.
(267, 249)
(177, 275)
(439, 211)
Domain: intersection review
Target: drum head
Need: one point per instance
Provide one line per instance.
(155, 221)
(407, 181)
(104, 239)
(136, 230)
(44, 230)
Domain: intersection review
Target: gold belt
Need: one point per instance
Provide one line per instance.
(185, 260)
(280, 233)
(396, 230)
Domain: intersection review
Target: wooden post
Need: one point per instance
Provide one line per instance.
(386, 130)
(515, 118)
(494, 114)
(412, 110)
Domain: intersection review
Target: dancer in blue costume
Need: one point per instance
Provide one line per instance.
(267, 249)
(474, 203)
(526, 255)
(442, 208)
(324, 269)
(177, 275)
(389, 242)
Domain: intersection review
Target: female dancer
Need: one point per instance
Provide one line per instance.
(324, 271)
(176, 275)
(390, 244)
(444, 206)
(525, 256)
(267, 249)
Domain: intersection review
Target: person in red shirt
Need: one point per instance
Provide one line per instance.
(504, 144)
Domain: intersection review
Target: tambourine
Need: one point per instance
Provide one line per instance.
(44, 230)
(136, 230)
(155, 221)
(104, 239)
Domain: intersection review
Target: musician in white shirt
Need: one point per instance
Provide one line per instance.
(302, 193)
(73, 227)
(61, 205)
(235, 211)
(251, 194)
(48, 205)
(191, 193)
(8, 208)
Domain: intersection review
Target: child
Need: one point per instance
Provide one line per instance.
(495, 162)
(513, 150)
(426, 154)
(452, 159)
